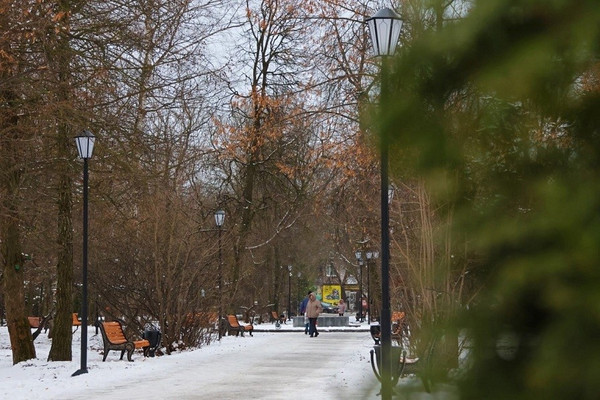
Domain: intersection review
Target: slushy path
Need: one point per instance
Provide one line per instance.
(334, 365)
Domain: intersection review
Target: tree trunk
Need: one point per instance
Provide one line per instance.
(59, 57)
(12, 275)
(61, 349)
(21, 341)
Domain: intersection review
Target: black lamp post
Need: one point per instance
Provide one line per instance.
(289, 293)
(384, 28)
(298, 294)
(85, 148)
(391, 191)
(219, 221)
(371, 256)
(359, 259)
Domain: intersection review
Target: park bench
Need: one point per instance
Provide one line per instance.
(208, 319)
(397, 327)
(401, 365)
(39, 324)
(202, 319)
(277, 317)
(114, 339)
(45, 323)
(34, 322)
(76, 322)
(234, 326)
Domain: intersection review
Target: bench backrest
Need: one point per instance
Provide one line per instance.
(213, 317)
(34, 322)
(114, 332)
(398, 316)
(233, 321)
(202, 318)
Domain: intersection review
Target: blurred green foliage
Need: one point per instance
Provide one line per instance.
(499, 113)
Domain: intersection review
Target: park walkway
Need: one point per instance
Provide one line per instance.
(334, 365)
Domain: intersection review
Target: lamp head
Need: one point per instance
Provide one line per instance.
(384, 28)
(85, 144)
(358, 255)
(220, 218)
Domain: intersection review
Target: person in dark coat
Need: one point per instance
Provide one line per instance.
(303, 311)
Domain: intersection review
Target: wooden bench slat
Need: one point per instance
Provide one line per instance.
(202, 318)
(34, 322)
(234, 326)
(114, 339)
(141, 343)
(396, 322)
(277, 317)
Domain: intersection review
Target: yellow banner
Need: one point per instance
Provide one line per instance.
(332, 294)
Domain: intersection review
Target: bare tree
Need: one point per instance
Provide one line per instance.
(156, 117)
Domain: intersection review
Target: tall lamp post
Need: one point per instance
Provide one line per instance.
(384, 29)
(85, 147)
(289, 293)
(371, 256)
(298, 294)
(359, 259)
(219, 221)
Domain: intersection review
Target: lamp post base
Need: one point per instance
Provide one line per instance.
(80, 372)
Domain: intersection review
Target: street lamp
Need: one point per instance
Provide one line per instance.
(359, 259)
(371, 255)
(391, 191)
(289, 293)
(219, 221)
(298, 294)
(384, 28)
(85, 147)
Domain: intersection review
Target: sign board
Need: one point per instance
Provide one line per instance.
(332, 294)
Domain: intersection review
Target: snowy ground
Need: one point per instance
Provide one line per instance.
(271, 365)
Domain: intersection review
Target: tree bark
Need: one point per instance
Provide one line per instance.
(59, 57)
(12, 255)
(21, 341)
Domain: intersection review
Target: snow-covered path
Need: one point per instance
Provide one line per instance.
(278, 365)
(267, 366)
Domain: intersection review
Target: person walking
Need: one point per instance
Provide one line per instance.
(303, 311)
(341, 308)
(313, 309)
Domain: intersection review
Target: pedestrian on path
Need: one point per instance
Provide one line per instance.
(303, 311)
(341, 308)
(313, 309)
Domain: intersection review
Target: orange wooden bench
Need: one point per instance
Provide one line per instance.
(396, 319)
(114, 339)
(397, 316)
(76, 322)
(39, 324)
(213, 318)
(397, 326)
(276, 317)
(34, 322)
(203, 319)
(234, 326)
